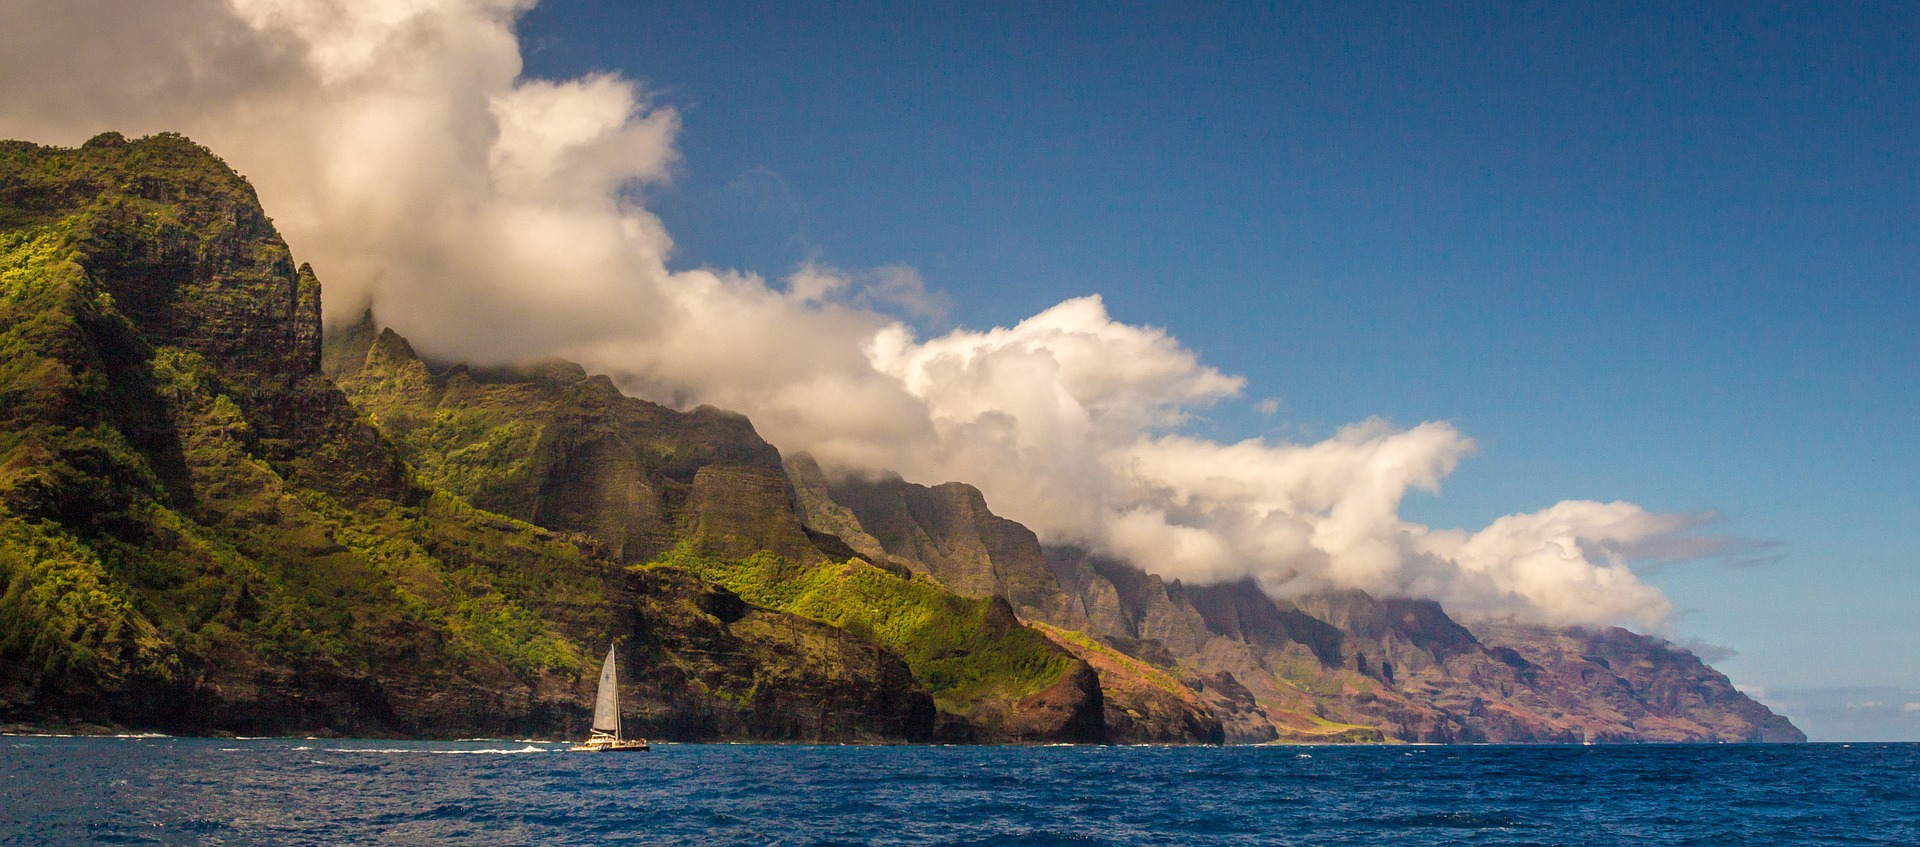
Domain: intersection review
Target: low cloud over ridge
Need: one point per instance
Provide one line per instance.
(492, 217)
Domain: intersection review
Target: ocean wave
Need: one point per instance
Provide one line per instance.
(497, 751)
(486, 751)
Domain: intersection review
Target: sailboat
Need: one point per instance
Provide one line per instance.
(605, 735)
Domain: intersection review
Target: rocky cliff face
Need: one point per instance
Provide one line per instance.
(781, 677)
(1616, 685)
(1333, 666)
(947, 533)
(198, 532)
(1143, 703)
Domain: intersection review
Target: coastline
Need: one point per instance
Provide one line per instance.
(28, 730)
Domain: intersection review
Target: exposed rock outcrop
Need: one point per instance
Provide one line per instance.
(1143, 703)
(707, 664)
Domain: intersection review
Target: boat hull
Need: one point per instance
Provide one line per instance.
(599, 746)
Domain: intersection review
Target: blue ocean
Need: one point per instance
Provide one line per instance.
(62, 791)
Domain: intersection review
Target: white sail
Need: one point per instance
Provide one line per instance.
(606, 708)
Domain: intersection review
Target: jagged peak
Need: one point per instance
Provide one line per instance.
(394, 347)
(710, 411)
(109, 138)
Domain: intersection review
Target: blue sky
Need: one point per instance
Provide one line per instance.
(1651, 253)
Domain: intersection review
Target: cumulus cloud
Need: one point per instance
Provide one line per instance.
(493, 217)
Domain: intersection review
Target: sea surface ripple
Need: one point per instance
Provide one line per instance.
(295, 792)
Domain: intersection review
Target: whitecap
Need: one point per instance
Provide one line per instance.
(496, 751)
(500, 751)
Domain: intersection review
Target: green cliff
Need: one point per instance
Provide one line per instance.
(199, 532)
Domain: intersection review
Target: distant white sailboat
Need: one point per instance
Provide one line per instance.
(605, 736)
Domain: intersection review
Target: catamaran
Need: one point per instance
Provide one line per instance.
(605, 736)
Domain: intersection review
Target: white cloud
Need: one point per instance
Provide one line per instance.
(494, 217)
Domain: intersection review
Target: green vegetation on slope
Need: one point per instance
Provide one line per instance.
(63, 618)
(553, 446)
(484, 446)
(963, 650)
(189, 514)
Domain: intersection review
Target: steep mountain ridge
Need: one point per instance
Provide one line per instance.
(947, 533)
(1334, 665)
(558, 448)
